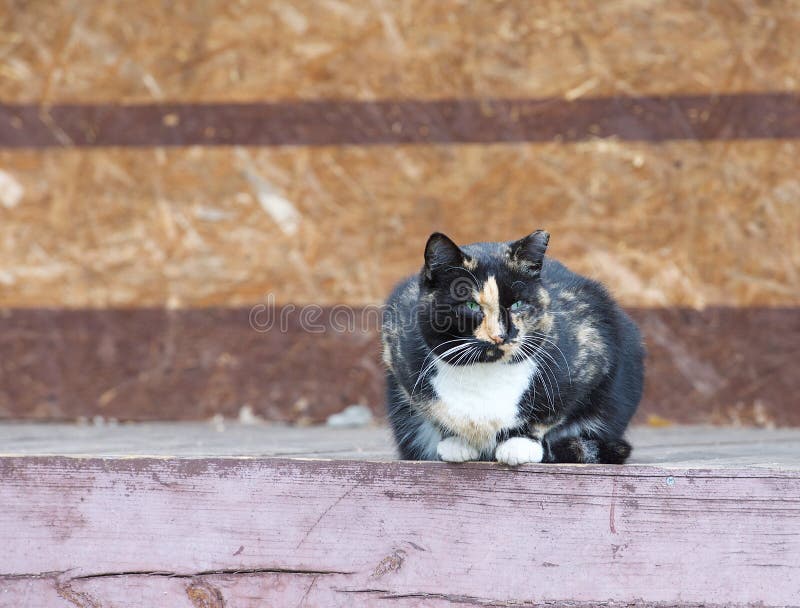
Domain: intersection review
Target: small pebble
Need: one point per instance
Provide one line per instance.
(248, 416)
(351, 416)
(218, 422)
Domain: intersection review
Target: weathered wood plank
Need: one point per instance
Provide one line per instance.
(253, 590)
(266, 529)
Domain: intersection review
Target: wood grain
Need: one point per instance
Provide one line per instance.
(72, 50)
(661, 224)
(101, 532)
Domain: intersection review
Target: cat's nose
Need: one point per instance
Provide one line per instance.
(498, 338)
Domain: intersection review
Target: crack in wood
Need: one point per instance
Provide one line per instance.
(170, 574)
(236, 571)
(305, 595)
(637, 470)
(13, 577)
(386, 594)
(324, 513)
(612, 524)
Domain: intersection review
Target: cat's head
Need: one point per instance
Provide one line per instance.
(484, 302)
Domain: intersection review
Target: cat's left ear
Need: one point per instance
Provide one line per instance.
(529, 251)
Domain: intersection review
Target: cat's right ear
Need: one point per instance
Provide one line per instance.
(441, 252)
(529, 250)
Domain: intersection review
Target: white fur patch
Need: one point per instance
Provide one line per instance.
(455, 449)
(519, 450)
(478, 401)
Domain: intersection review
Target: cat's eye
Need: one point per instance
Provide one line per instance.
(473, 305)
(517, 305)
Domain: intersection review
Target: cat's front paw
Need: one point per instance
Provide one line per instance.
(455, 449)
(518, 450)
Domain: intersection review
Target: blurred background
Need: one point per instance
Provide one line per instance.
(167, 166)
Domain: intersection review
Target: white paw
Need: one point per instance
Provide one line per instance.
(518, 450)
(455, 449)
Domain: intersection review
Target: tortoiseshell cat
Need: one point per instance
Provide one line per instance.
(495, 352)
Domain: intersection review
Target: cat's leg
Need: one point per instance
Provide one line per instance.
(456, 449)
(416, 437)
(595, 436)
(585, 450)
(518, 446)
(519, 450)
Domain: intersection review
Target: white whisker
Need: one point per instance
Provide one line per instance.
(554, 345)
(425, 370)
(540, 373)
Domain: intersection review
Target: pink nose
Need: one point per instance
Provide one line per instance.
(497, 339)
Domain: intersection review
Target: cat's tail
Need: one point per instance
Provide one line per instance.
(588, 451)
(613, 451)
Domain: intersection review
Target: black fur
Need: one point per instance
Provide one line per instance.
(591, 377)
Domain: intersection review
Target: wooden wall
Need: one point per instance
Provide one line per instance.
(163, 169)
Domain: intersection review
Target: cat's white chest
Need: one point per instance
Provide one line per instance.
(477, 401)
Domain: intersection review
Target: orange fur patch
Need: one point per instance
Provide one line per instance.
(489, 300)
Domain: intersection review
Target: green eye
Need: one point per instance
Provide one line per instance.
(517, 305)
(473, 305)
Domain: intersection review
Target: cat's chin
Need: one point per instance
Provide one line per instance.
(511, 358)
(513, 354)
(501, 354)
(492, 354)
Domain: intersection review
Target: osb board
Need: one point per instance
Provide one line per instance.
(241, 532)
(721, 365)
(675, 224)
(674, 447)
(73, 50)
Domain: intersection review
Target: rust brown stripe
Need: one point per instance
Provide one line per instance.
(720, 365)
(724, 117)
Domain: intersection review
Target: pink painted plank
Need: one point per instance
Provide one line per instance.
(366, 531)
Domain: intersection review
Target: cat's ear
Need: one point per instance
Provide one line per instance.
(441, 252)
(529, 251)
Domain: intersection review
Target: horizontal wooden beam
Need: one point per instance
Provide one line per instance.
(719, 365)
(96, 532)
(325, 123)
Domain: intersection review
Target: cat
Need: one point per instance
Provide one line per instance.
(496, 352)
